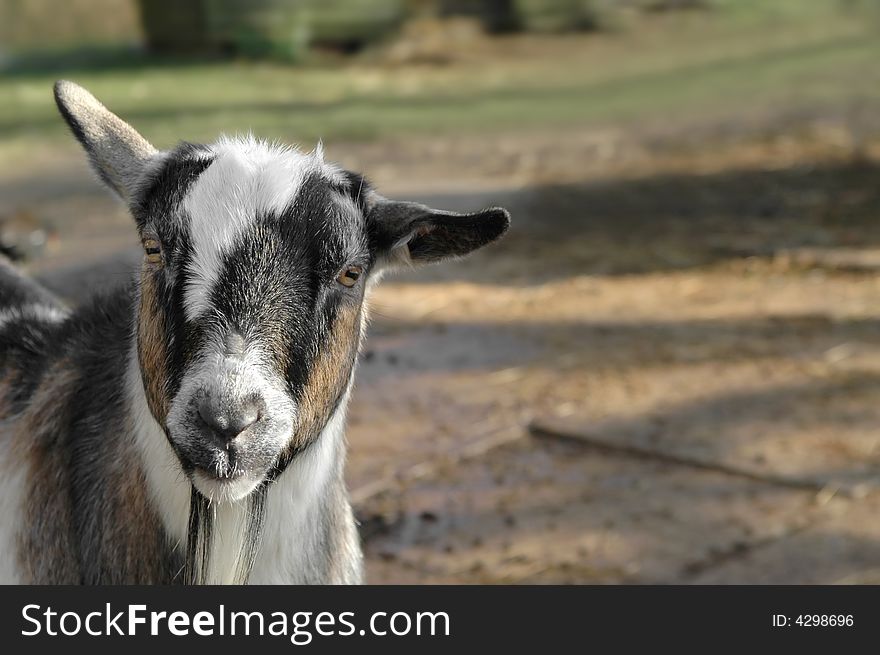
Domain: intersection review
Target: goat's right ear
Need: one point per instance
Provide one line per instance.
(116, 151)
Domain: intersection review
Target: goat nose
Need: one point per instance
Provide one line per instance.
(226, 423)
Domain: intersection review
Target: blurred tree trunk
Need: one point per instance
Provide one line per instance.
(265, 28)
(175, 27)
(496, 15)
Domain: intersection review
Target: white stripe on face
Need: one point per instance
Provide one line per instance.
(248, 178)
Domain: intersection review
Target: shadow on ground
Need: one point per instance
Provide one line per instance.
(661, 223)
(675, 221)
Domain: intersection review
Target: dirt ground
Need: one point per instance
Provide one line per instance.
(708, 316)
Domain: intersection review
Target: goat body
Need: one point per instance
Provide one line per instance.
(189, 426)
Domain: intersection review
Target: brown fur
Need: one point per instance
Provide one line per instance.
(121, 541)
(48, 547)
(151, 339)
(131, 521)
(329, 374)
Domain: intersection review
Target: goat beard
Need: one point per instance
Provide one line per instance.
(200, 536)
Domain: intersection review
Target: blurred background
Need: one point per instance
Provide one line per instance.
(668, 371)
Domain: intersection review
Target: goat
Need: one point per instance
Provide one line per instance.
(189, 426)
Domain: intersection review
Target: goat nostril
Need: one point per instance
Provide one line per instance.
(226, 425)
(245, 419)
(211, 417)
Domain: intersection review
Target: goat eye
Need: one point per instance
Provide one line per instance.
(153, 250)
(349, 275)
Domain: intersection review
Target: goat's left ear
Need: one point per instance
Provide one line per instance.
(407, 232)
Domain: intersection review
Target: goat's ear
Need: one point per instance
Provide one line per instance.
(116, 151)
(410, 233)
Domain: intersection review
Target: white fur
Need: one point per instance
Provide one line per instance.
(42, 313)
(289, 535)
(291, 506)
(248, 178)
(167, 484)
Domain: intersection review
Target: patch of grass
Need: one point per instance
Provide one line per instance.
(723, 63)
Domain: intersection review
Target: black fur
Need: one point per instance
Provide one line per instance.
(432, 235)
